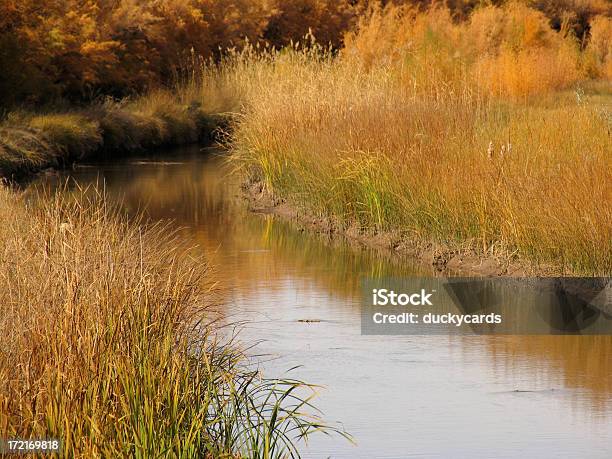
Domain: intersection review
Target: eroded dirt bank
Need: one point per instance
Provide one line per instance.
(443, 259)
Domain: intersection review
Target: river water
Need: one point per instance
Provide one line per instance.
(399, 396)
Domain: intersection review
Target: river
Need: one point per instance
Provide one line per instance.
(399, 396)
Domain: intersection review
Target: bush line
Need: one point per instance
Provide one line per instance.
(32, 142)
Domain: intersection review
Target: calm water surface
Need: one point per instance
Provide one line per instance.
(400, 397)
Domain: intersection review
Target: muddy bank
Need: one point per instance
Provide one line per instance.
(442, 259)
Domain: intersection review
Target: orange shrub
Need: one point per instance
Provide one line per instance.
(517, 53)
(527, 72)
(600, 46)
(515, 26)
(423, 47)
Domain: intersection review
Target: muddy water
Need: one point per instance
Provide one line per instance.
(400, 397)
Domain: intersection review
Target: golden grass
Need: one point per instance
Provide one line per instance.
(107, 346)
(71, 135)
(412, 140)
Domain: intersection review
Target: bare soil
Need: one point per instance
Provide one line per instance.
(443, 259)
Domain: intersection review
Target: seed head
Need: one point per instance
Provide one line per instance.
(490, 150)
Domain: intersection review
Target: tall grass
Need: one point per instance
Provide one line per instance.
(107, 344)
(441, 139)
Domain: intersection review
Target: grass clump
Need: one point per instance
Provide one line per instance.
(22, 149)
(73, 136)
(107, 344)
(32, 142)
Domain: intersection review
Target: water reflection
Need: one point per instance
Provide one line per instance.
(400, 396)
(573, 362)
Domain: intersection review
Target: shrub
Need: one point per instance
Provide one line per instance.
(600, 47)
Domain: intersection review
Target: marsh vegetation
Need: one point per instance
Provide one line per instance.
(109, 343)
(477, 127)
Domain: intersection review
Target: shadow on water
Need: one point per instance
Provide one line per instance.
(433, 396)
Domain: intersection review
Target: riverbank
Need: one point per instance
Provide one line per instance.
(31, 142)
(440, 258)
(427, 131)
(109, 342)
(467, 216)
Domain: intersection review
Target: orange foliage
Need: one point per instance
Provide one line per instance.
(600, 47)
(509, 51)
(79, 49)
(519, 54)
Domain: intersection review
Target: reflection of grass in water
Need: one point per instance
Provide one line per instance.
(583, 362)
(339, 266)
(197, 193)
